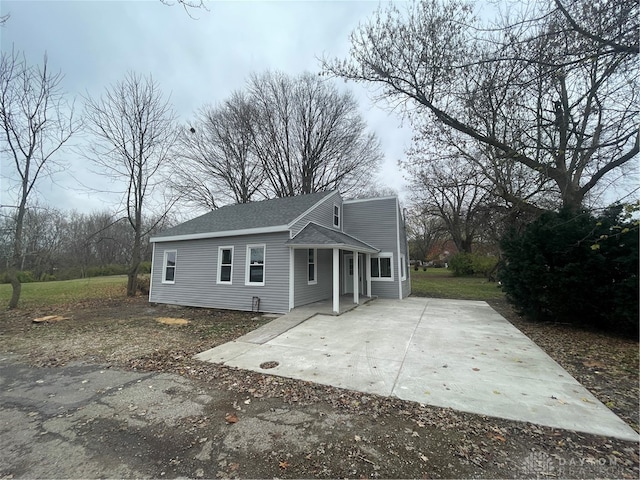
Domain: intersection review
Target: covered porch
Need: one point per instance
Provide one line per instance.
(350, 267)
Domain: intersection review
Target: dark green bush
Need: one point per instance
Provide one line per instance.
(145, 268)
(575, 269)
(106, 270)
(461, 264)
(24, 277)
(465, 264)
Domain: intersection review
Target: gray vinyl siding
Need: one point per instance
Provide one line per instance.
(196, 274)
(322, 214)
(375, 222)
(302, 291)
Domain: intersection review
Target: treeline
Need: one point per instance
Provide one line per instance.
(60, 245)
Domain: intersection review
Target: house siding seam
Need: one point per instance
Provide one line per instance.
(322, 214)
(376, 221)
(197, 263)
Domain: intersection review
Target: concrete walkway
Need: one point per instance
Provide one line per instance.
(447, 353)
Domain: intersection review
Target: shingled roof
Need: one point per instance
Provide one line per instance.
(317, 236)
(278, 212)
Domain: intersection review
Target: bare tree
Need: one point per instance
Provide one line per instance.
(425, 231)
(571, 96)
(36, 123)
(454, 192)
(134, 127)
(310, 137)
(218, 163)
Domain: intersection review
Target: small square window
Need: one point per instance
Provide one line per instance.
(382, 267)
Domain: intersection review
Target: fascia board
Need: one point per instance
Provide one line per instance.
(226, 233)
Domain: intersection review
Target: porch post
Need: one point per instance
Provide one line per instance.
(291, 278)
(356, 278)
(336, 281)
(368, 274)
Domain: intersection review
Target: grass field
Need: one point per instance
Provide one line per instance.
(435, 282)
(40, 294)
(440, 283)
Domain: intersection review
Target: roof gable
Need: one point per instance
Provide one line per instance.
(255, 217)
(317, 236)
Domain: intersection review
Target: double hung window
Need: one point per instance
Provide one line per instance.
(255, 264)
(225, 264)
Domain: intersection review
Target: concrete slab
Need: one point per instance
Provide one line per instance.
(447, 353)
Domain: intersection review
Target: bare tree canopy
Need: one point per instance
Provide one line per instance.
(219, 163)
(310, 137)
(36, 123)
(281, 136)
(555, 91)
(134, 125)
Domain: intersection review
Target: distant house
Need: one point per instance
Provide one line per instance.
(283, 253)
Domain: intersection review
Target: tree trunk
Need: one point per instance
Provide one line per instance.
(132, 275)
(16, 288)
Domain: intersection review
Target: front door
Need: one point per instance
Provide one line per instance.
(348, 273)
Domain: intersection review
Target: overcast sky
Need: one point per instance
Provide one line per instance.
(197, 62)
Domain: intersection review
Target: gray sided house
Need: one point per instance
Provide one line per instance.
(279, 254)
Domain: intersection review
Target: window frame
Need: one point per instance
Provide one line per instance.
(314, 264)
(247, 276)
(165, 266)
(403, 267)
(377, 258)
(336, 215)
(220, 265)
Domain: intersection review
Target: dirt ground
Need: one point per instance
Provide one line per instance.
(112, 392)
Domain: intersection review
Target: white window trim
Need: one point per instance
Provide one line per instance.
(164, 267)
(383, 255)
(315, 267)
(248, 262)
(333, 213)
(403, 267)
(218, 278)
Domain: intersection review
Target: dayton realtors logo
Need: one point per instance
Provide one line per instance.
(543, 465)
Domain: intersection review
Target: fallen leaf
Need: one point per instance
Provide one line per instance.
(284, 464)
(231, 418)
(357, 438)
(475, 369)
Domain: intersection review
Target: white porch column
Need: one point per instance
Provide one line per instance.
(356, 278)
(291, 278)
(368, 274)
(336, 281)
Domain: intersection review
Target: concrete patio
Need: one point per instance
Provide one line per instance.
(446, 353)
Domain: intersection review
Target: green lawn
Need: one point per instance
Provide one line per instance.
(435, 282)
(440, 283)
(39, 294)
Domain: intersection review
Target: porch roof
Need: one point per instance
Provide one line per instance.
(317, 236)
